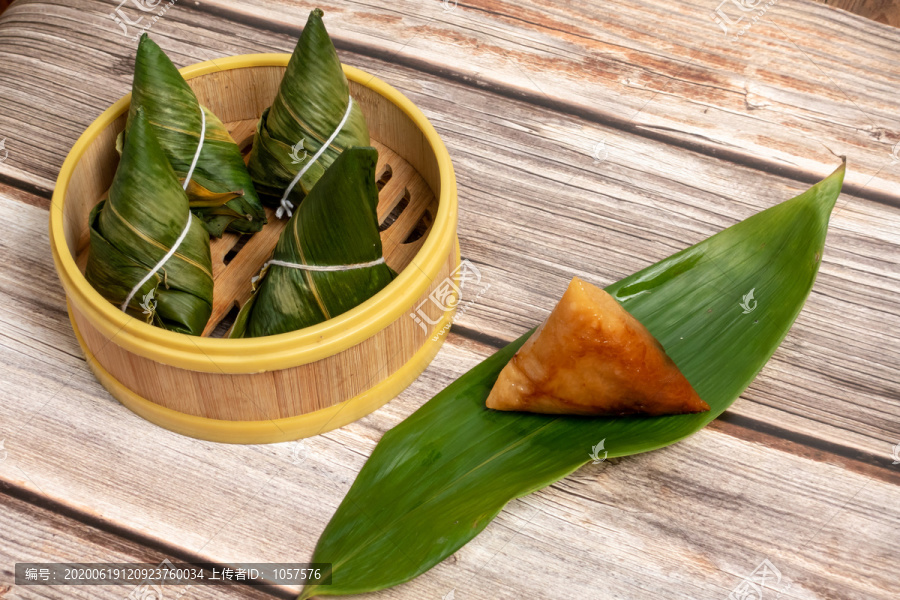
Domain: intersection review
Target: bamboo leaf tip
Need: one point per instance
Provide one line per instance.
(838, 174)
(146, 44)
(843, 167)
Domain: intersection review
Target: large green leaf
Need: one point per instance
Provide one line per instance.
(220, 189)
(439, 477)
(310, 103)
(336, 226)
(136, 226)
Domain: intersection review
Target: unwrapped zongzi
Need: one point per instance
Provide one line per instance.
(329, 257)
(312, 119)
(591, 357)
(148, 255)
(220, 189)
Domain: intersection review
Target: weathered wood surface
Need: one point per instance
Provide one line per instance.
(883, 11)
(30, 531)
(798, 471)
(804, 81)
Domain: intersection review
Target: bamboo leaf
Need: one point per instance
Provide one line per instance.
(439, 477)
(220, 190)
(136, 226)
(309, 106)
(336, 226)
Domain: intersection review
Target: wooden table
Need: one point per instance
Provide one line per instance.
(588, 140)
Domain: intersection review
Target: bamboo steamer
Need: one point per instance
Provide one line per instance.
(296, 384)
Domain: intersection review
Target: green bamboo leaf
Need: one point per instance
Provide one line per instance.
(719, 308)
(310, 104)
(136, 226)
(337, 225)
(220, 190)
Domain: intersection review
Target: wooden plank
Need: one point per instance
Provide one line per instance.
(33, 533)
(783, 98)
(883, 11)
(661, 69)
(688, 521)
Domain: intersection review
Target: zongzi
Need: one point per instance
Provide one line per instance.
(148, 256)
(220, 190)
(312, 119)
(591, 357)
(329, 257)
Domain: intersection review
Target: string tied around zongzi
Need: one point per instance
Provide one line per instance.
(316, 268)
(287, 207)
(187, 225)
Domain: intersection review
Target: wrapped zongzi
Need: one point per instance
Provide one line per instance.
(312, 119)
(148, 255)
(591, 357)
(328, 258)
(220, 189)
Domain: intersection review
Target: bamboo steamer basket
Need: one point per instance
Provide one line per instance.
(296, 384)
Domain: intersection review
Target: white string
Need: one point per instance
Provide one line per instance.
(286, 205)
(187, 225)
(159, 265)
(317, 268)
(190, 172)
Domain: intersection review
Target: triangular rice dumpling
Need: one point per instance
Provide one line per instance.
(311, 106)
(334, 236)
(591, 357)
(136, 227)
(220, 189)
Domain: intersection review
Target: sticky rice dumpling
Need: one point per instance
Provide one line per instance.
(148, 256)
(591, 357)
(311, 121)
(220, 190)
(329, 257)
